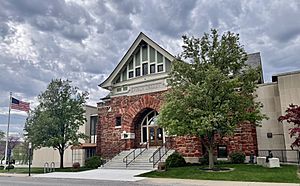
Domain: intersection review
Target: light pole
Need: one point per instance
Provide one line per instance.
(29, 161)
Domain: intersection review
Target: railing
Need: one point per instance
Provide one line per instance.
(159, 153)
(284, 156)
(116, 148)
(135, 154)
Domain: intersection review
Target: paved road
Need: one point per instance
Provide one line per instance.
(26, 181)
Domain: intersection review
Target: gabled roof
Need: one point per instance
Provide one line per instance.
(141, 37)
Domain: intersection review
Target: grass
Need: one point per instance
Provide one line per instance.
(38, 170)
(241, 172)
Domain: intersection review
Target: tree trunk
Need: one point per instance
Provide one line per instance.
(61, 153)
(211, 157)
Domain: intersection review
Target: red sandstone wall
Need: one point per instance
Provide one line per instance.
(130, 107)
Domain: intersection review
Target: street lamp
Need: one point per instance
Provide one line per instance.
(29, 161)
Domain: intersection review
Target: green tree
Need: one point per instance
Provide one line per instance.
(2, 134)
(212, 92)
(56, 120)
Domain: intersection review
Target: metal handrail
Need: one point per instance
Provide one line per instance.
(159, 151)
(125, 159)
(117, 147)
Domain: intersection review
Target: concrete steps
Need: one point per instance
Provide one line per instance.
(140, 163)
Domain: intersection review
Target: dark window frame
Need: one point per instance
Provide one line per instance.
(152, 68)
(139, 70)
(145, 71)
(130, 74)
(118, 121)
(158, 68)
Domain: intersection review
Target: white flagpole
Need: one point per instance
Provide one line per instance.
(7, 131)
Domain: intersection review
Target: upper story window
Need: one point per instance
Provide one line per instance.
(145, 52)
(137, 58)
(145, 60)
(130, 74)
(145, 69)
(152, 54)
(160, 68)
(93, 128)
(160, 58)
(152, 68)
(130, 66)
(118, 121)
(137, 71)
(93, 125)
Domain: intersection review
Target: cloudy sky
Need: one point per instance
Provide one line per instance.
(83, 40)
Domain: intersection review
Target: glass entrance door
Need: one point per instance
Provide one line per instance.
(155, 136)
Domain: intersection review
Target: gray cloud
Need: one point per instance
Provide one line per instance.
(84, 40)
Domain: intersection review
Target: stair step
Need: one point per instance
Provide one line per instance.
(140, 163)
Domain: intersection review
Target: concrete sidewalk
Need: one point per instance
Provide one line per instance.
(98, 174)
(188, 182)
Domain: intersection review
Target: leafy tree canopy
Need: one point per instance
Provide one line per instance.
(212, 89)
(293, 116)
(56, 120)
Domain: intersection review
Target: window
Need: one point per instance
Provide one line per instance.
(222, 151)
(125, 88)
(93, 125)
(90, 152)
(168, 65)
(118, 121)
(152, 55)
(93, 128)
(119, 89)
(137, 72)
(159, 58)
(124, 75)
(130, 65)
(145, 68)
(160, 68)
(144, 52)
(130, 75)
(152, 68)
(137, 58)
(118, 80)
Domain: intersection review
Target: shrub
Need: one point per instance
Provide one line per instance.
(237, 157)
(175, 160)
(93, 162)
(10, 167)
(76, 165)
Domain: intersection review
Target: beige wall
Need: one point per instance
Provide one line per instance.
(276, 97)
(268, 95)
(42, 155)
(289, 91)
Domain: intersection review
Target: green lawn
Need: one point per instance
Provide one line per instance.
(37, 170)
(241, 172)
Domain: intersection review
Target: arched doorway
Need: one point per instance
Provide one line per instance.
(150, 131)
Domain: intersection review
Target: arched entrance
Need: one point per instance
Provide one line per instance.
(150, 131)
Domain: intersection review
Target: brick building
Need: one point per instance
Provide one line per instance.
(127, 116)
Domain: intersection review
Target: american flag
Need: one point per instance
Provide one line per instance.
(19, 105)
